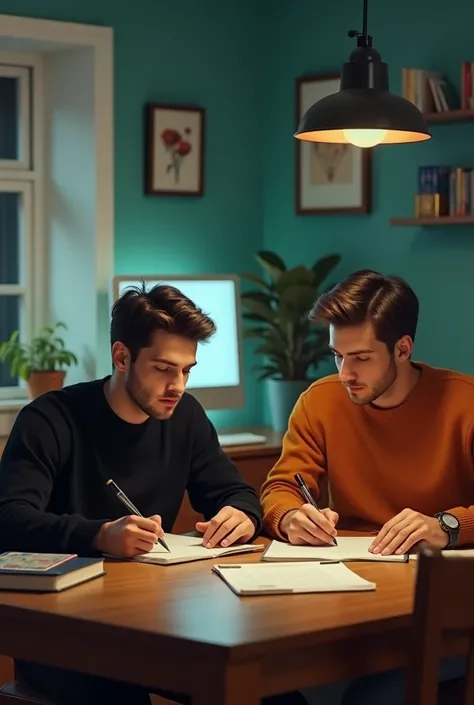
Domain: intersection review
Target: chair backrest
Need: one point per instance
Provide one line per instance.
(444, 602)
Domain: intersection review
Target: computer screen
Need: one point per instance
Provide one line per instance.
(217, 380)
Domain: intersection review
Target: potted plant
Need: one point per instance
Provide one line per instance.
(277, 314)
(40, 363)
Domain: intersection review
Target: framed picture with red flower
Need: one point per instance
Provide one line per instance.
(174, 150)
(331, 179)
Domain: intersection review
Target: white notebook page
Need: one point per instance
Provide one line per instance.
(187, 547)
(349, 548)
(267, 578)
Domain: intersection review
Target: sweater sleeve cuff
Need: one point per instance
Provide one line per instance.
(466, 520)
(275, 515)
(83, 535)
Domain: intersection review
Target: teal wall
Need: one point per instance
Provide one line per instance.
(310, 37)
(207, 53)
(239, 60)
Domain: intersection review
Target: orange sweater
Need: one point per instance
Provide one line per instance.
(419, 455)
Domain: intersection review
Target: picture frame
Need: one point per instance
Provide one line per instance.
(330, 179)
(174, 150)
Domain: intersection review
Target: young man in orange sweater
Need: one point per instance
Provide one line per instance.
(391, 437)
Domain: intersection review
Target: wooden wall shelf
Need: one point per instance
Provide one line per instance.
(441, 220)
(464, 115)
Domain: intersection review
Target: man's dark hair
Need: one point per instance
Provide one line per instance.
(138, 313)
(388, 302)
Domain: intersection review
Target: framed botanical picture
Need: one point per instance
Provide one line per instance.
(174, 150)
(330, 178)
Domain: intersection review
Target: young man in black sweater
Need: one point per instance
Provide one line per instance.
(140, 428)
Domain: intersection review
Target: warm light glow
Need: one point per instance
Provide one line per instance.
(339, 136)
(365, 138)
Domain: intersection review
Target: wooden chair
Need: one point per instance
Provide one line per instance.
(444, 602)
(18, 693)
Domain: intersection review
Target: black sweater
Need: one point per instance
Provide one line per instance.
(65, 445)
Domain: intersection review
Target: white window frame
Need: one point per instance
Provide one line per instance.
(26, 176)
(24, 76)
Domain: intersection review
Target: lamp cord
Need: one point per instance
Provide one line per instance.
(364, 22)
(363, 39)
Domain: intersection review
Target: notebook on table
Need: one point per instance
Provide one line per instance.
(46, 572)
(349, 548)
(286, 578)
(184, 549)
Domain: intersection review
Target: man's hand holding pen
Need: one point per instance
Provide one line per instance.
(308, 525)
(129, 536)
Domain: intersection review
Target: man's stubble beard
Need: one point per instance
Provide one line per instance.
(140, 398)
(381, 387)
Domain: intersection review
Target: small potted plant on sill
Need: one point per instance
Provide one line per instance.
(42, 363)
(291, 344)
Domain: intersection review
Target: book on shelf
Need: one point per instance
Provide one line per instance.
(444, 191)
(428, 90)
(467, 85)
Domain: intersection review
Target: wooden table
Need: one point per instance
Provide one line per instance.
(181, 628)
(254, 462)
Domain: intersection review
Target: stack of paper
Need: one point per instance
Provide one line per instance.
(286, 578)
(348, 549)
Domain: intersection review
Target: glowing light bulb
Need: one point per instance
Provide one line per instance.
(365, 138)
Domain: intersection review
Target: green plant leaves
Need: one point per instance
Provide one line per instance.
(297, 276)
(277, 314)
(255, 279)
(323, 267)
(296, 301)
(45, 353)
(271, 263)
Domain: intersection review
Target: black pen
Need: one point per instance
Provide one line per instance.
(130, 506)
(308, 496)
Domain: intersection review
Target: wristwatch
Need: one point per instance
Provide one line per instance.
(450, 524)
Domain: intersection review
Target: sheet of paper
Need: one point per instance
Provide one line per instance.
(353, 548)
(267, 578)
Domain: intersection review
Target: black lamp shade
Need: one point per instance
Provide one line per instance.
(362, 109)
(364, 105)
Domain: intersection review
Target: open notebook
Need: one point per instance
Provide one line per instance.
(184, 549)
(348, 549)
(267, 579)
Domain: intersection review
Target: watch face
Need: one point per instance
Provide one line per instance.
(450, 520)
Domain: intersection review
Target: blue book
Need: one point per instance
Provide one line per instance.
(46, 572)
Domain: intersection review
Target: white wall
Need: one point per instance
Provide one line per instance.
(70, 182)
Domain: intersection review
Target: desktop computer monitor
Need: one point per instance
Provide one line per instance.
(217, 379)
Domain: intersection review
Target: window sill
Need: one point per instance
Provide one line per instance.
(9, 408)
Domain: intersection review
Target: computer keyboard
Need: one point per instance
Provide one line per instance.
(240, 439)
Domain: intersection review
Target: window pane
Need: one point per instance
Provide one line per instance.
(9, 118)
(9, 237)
(9, 321)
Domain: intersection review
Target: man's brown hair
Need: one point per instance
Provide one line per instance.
(388, 302)
(138, 313)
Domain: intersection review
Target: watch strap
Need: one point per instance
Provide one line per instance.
(453, 534)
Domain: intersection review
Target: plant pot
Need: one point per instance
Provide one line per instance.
(42, 382)
(282, 396)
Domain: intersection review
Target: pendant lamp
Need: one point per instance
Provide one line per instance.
(364, 112)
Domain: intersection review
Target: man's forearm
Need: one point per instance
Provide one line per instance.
(465, 515)
(23, 528)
